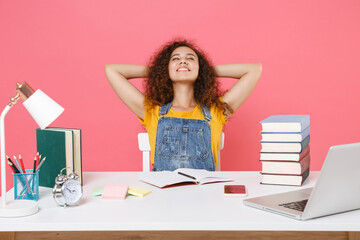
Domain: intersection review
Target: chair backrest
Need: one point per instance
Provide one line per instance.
(144, 146)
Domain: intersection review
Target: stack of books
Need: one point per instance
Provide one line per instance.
(285, 149)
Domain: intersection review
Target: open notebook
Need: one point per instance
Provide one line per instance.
(181, 175)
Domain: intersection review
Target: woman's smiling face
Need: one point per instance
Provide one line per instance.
(183, 64)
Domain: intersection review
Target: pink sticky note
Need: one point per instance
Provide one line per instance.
(114, 191)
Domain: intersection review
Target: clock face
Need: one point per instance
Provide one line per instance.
(72, 191)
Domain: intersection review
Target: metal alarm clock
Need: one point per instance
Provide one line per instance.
(67, 190)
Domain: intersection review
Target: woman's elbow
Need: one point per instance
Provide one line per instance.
(107, 67)
(108, 71)
(259, 68)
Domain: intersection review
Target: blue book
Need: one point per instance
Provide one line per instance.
(285, 136)
(285, 147)
(285, 123)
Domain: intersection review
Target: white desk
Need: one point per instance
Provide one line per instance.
(190, 208)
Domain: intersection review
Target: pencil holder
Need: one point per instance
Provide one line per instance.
(26, 185)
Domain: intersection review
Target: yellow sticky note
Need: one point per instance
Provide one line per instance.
(138, 191)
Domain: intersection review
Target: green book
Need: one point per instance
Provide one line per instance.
(62, 148)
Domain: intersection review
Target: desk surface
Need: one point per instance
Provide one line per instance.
(190, 207)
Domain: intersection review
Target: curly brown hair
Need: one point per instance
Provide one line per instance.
(159, 88)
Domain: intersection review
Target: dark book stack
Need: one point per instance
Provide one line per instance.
(285, 149)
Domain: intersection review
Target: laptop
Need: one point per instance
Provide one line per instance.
(337, 189)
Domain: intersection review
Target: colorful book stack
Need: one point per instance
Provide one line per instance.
(285, 152)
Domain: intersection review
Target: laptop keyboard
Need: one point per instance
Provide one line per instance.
(298, 206)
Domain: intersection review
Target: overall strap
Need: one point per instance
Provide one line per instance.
(165, 108)
(206, 113)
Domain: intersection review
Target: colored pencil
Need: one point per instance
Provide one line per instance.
(18, 164)
(12, 164)
(22, 163)
(37, 160)
(13, 168)
(41, 163)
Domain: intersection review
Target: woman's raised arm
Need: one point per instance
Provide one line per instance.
(248, 75)
(118, 76)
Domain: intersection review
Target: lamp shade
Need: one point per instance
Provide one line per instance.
(42, 108)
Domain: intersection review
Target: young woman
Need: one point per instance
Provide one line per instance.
(183, 109)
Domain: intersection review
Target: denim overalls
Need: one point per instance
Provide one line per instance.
(183, 142)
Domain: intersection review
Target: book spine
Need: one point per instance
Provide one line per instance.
(305, 122)
(305, 152)
(305, 175)
(305, 142)
(305, 163)
(305, 133)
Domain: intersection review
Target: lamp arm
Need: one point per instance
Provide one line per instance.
(3, 159)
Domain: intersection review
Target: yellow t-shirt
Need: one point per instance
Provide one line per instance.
(217, 122)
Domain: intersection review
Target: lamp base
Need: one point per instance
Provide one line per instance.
(19, 208)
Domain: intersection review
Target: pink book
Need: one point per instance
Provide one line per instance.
(114, 191)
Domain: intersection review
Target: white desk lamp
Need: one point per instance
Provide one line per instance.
(44, 110)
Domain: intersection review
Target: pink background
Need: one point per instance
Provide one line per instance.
(309, 50)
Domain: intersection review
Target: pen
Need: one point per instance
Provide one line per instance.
(21, 162)
(34, 165)
(187, 175)
(42, 161)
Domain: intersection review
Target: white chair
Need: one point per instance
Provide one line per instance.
(144, 146)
